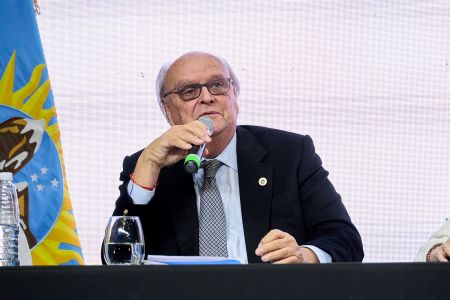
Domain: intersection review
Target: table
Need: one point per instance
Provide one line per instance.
(259, 281)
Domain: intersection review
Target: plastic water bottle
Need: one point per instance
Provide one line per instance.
(9, 221)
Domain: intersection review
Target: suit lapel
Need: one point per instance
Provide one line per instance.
(181, 195)
(255, 195)
(255, 187)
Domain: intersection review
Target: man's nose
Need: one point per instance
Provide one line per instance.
(205, 95)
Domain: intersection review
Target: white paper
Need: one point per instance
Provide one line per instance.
(187, 260)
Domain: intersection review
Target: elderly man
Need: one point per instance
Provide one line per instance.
(261, 195)
(437, 248)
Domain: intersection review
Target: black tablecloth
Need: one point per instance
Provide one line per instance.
(327, 281)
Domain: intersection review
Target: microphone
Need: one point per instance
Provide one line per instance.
(194, 157)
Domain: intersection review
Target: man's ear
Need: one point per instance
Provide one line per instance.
(167, 112)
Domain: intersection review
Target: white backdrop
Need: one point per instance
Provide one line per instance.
(368, 80)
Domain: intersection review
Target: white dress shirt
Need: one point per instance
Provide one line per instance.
(228, 182)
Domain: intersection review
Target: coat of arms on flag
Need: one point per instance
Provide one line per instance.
(30, 145)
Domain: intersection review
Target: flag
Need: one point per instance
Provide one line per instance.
(30, 145)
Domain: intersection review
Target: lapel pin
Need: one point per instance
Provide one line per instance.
(262, 181)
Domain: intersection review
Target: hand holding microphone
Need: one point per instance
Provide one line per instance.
(194, 157)
(170, 147)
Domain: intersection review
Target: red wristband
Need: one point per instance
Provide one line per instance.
(148, 188)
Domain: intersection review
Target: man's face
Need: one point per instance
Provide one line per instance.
(199, 68)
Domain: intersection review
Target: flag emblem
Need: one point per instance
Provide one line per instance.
(30, 148)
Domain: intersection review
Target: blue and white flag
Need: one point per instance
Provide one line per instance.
(30, 145)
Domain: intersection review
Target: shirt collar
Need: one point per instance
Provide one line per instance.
(229, 156)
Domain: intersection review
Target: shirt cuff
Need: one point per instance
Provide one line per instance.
(140, 196)
(321, 255)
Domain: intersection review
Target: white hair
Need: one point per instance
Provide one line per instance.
(161, 78)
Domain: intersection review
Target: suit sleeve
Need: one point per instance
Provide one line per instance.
(124, 202)
(328, 224)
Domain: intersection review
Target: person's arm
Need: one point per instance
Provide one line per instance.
(145, 165)
(329, 228)
(166, 150)
(439, 253)
(280, 247)
(437, 247)
(327, 221)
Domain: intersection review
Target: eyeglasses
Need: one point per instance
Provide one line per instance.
(192, 91)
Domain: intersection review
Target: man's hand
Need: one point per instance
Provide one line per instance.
(441, 253)
(169, 148)
(280, 247)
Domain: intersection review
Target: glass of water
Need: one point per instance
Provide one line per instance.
(124, 241)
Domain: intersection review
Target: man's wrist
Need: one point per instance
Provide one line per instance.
(139, 195)
(322, 256)
(308, 255)
(148, 188)
(428, 257)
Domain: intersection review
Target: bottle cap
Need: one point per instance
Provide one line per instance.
(6, 176)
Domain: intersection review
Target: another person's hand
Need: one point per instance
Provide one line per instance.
(279, 247)
(440, 253)
(169, 148)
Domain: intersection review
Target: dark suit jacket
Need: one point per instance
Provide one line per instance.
(298, 199)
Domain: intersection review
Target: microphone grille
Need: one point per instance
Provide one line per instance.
(208, 122)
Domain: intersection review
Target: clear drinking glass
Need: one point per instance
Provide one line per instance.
(124, 241)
